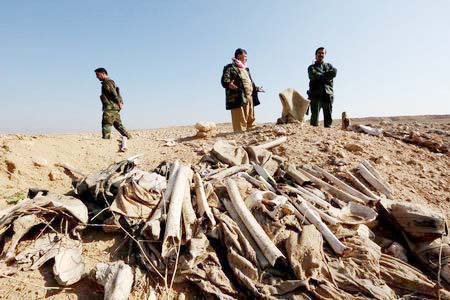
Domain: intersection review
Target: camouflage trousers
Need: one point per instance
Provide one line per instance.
(112, 118)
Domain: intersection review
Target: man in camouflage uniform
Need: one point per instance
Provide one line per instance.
(320, 92)
(241, 93)
(111, 104)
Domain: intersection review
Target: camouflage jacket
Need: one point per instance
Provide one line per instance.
(236, 98)
(321, 79)
(111, 99)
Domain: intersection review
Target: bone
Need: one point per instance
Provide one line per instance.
(266, 184)
(273, 143)
(230, 171)
(375, 182)
(259, 184)
(263, 263)
(334, 242)
(202, 203)
(344, 186)
(375, 173)
(117, 279)
(361, 186)
(188, 213)
(270, 251)
(172, 234)
(331, 189)
(319, 213)
(154, 221)
(298, 214)
(296, 175)
(310, 197)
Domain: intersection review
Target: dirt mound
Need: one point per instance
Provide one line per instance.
(415, 173)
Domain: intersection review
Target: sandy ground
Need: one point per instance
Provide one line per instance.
(415, 173)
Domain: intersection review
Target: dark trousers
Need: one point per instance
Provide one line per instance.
(324, 102)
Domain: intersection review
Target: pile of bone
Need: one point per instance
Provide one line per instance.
(434, 140)
(243, 224)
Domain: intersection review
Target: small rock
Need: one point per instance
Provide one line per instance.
(10, 166)
(411, 162)
(205, 126)
(40, 162)
(55, 175)
(278, 130)
(353, 148)
(337, 162)
(341, 168)
(200, 151)
(381, 159)
(341, 154)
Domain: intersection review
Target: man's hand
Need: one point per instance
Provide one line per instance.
(232, 86)
(260, 89)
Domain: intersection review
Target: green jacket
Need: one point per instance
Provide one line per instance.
(236, 98)
(110, 96)
(321, 79)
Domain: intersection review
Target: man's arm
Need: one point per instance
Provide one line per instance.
(331, 73)
(313, 74)
(226, 77)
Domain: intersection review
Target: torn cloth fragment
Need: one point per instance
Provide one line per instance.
(135, 201)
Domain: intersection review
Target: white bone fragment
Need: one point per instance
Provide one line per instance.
(361, 186)
(263, 263)
(189, 217)
(117, 279)
(230, 171)
(334, 242)
(260, 185)
(331, 189)
(172, 236)
(296, 175)
(273, 143)
(202, 202)
(375, 182)
(270, 251)
(154, 222)
(340, 184)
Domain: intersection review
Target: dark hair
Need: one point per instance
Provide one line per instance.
(320, 48)
(239, 51)
(101, 70)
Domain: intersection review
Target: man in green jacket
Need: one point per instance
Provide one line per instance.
(241, 93)
(111, 104)
(320, 92)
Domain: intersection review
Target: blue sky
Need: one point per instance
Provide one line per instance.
(167, 57)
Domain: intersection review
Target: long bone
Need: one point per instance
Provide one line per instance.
(268, 248)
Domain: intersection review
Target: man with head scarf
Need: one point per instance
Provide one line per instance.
(241, 93)
(320, 92)
(111, 105)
